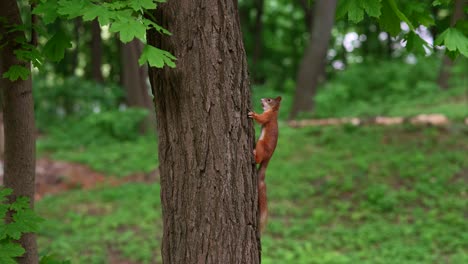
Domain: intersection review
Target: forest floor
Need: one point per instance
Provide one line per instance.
(56, 176)
(339, 194)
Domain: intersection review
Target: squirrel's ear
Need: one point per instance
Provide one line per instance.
(278, 99)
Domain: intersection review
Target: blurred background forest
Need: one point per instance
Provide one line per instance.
(346, 193)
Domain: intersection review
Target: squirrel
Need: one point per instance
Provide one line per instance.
(264, 149)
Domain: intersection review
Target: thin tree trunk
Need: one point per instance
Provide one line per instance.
(313, 62)
(308, 13)
(18, 111)
(447, 63)
(74, 59)
(96, 51)
(258, 31)
(134, 80)
(208, 179)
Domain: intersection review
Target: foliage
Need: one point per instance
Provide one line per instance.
(109, 142)
(284, 37)
(387, 88)
(58, 98)
(130, 19)
(96, 129)
(390, 15)
(22, 220)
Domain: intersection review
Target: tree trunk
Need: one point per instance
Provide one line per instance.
(208, 178)
(134, 80)
(447, 63)
(308, 13)
(258, 31)
(96, 51)
(313, 62)
(18, 111)
(74, 56)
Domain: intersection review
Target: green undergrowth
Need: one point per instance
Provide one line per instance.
(336, 195)
(107, 225)
(108, 142)
(388, 88)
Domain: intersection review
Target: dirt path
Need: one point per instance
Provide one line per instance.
(54, 176)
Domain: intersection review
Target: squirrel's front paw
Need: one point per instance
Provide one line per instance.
(251, 114)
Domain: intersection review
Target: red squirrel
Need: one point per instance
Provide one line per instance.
(264, 149)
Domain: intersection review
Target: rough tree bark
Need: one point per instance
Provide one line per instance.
(208, 179)
(313, 61)
(447, 63)
(134, 80)
(18, 111)
(96, 51)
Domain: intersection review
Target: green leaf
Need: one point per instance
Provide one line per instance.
(29, 53)
(47, 9)
(4, 192)
(389, 21)
(355, 9)
(342, 9)
(415, 44)
(17, 71)
(9, 251)
(20, 204)
(441, 2)
(92, 11)
(129, 29)
(355, 12)
(399, 14)
(156, 57)
(138, 5)
(453, 40)
(115, 5)
(72, 8)
(372, 7)
(160, 29)
(55, 47)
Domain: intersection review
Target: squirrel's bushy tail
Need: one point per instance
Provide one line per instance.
(262, 195)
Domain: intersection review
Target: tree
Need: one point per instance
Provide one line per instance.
(134, 80)
(447, 63)
(96, 51)
(208, 179)
(313, 62)
(18, 110)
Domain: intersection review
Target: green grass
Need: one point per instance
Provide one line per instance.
(104, 224)
(337, 195)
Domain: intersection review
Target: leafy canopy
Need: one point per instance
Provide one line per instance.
(129, 18)
(390, 17)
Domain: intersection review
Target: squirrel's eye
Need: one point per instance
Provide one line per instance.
(269, 100)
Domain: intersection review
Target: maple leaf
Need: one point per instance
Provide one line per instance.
(156, 57)
(454, 40)
(102, 13)
(9, 251)
(160, 29)
(129, 29)
(355, 9)
(48, 10)
(389, 21)
(55, 47)
(15, 72)
(138, 5)
(72, 8)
